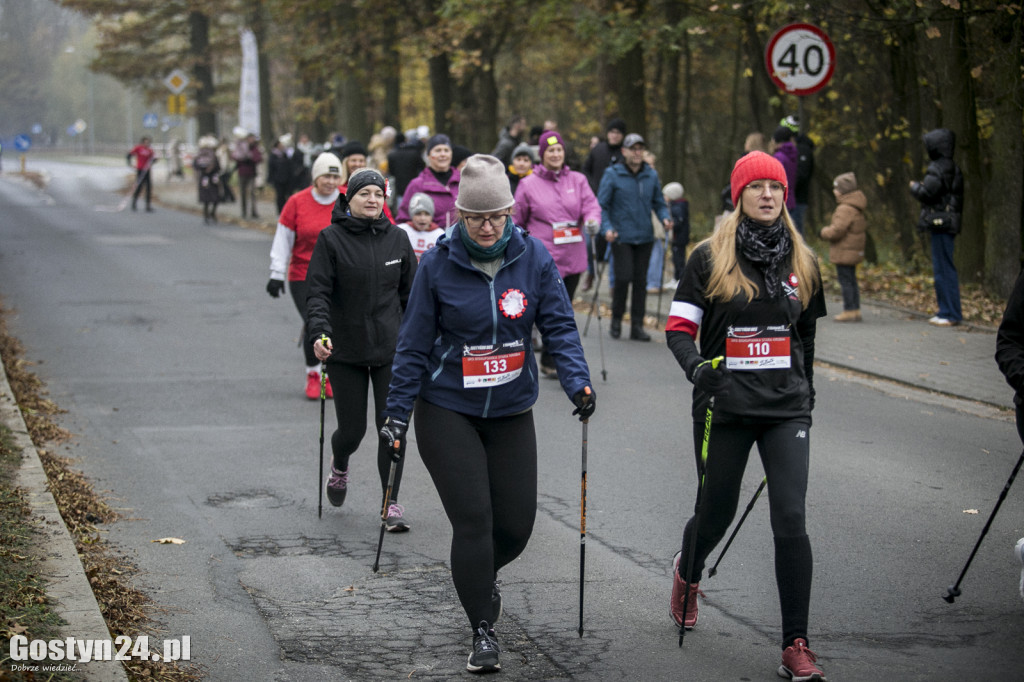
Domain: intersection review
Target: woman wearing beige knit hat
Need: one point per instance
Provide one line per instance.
(847, 234)
(464, 363)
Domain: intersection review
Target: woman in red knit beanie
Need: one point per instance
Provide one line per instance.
(753, 291)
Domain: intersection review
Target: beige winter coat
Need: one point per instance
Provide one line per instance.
(847, 233)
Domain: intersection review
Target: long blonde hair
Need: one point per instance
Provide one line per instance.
(727, 280)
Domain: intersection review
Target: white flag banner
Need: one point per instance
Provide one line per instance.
(249, 89)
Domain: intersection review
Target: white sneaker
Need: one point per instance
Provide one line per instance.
(941, 322)
(671, 285)
(1018, 552)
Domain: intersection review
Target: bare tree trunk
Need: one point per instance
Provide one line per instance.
(258, 26)
(960, 114)
(199, 47)
(629, 88)
(1003, 193)
(392, 112)
(905, 107)
(441, 89)
(671, 151)
(352, 109)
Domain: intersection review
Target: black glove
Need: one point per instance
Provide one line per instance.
(712, 380)
(392, 436)
(275, 287)
(585, 401)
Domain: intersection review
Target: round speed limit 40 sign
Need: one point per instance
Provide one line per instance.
(800, 59)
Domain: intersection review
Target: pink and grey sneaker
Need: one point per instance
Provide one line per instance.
(337, 486)
(396, 522)
(681, 591)
(798, 663)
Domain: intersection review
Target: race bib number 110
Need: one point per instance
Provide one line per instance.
(755, 348)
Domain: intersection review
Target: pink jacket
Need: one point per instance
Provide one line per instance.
(553, 207)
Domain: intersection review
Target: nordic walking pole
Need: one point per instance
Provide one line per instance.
(323, 402)
(384, 509)
(696, 515)
(953, 591)
(757, 494)
(583, 514)
(661, 284)
(594, 306)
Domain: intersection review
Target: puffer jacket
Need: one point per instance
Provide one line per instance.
(359, 279)
(848, 230)
(943, 184)
(444, 196)
(455, 308)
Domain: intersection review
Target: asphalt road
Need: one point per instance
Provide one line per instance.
(183, 386)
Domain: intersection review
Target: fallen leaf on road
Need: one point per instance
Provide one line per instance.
(970, 511)
(170, 541)
(350, 588)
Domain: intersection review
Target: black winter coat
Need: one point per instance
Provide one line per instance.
(942, 188)
(359, 279)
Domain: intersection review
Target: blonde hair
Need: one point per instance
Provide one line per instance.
(727, 280)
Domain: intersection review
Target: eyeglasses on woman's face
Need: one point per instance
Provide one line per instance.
(758, 187)
(477, 221)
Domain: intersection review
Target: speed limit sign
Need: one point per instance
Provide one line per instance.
(800, 59)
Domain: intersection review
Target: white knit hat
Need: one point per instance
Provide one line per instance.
(673, 191)
(421, 203)
(326, 164)
(483, 185)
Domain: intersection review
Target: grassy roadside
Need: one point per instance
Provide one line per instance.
(24, 608)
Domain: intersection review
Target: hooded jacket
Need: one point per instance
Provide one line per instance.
(359, 279)
(627, 200)
(454, 307)
(848, 229)
(545, 198)
(942, 188)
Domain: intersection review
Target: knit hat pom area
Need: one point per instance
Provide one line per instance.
(483, 186)
(756, 166)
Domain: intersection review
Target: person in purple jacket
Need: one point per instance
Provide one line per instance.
(784, 149)
(554, 204)
(439, 180)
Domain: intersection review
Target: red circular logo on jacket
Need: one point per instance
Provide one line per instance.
(512, 303)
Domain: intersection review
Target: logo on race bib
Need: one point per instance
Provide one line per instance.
(512, 303)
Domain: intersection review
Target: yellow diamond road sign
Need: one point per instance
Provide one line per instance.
(176, 81)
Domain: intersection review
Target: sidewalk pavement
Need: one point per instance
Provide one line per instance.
(890, 343)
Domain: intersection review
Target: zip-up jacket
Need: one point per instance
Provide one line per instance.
(359, 279)
(627, 200)
(546, 198)
(455, 307)
(443, 196)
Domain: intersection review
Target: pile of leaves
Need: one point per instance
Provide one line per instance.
(125, 608)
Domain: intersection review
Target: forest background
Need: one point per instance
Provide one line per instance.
(689, 76)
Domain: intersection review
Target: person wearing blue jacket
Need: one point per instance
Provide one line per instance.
(464, 362)
(628, 193)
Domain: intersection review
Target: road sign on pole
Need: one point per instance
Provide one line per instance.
(800, 59)
(22, 142)
(176, 81)
(150, 120)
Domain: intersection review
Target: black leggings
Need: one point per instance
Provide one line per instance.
(631, 262)
(485, 471)
(785, 454)
(299, 289)
(350, 384)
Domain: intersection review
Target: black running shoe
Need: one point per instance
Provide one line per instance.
(496, 602)
(484, 658)
(337, 486)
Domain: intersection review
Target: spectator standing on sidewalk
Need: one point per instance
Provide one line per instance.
(247, 157)
(628, 193)
(847, 234)
(227, 169)
(145, 157)
(941, 193)
(207, 172)
(753, 293)
(359, 278)
(463, 363)
(679, 209)
(804, 170)
(784, 149)
(305, 215)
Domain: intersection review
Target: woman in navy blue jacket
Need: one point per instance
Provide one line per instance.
(464, 361)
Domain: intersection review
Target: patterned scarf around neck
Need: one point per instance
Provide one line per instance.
(766, 246)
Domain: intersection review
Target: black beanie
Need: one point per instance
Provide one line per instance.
(616, 124)
(363, 177)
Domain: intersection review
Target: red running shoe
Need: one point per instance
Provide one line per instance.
(798, 663)
(313, 385)
(330, 393)
(680, 588)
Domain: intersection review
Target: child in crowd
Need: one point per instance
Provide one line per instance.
(523, 158)
(679, 208)
(847, 237)
(422, 230)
